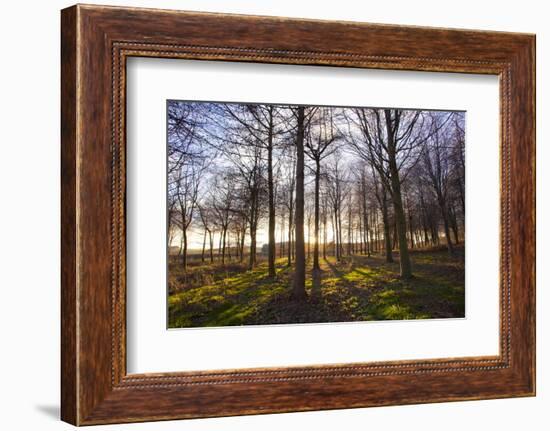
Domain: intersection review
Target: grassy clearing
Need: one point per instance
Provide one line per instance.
(356, 289)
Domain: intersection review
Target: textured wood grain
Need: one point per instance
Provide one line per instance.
(96, 41)
(69, 366)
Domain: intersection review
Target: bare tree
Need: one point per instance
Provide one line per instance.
(390, 140)
(365, 209)
(187, 160)
(319, 145)
(241, 149)
(261, 122)
(299, 286)
(187, 183)
(336, 186)
(436, 153)
(205, 217)
(223, 196)
(382, 198)
(288, 196)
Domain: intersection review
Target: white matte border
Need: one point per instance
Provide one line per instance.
(153, 348)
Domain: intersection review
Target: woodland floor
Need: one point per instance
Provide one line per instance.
(356, 289)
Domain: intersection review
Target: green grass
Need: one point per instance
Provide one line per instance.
(358, 288)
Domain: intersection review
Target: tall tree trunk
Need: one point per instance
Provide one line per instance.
(299, 288)
(454, 224)
(339, 231)
(376, 233)
(271, 234)
(293, 244)
(282, 246)
(411, 229)
(252, 257)
(461, 193)
(238, 244)
(211, 246)
(350, 228)
(424, 218)
(335, 235)
(360, 239)
(229, 246)
(253, 229)
(425, 229)
(401, 223)
(387, 237)
(366, 227)
(184, 257)
(203, 246)
(325, 235)
(435, 231)
(242, 245)
(308, 237)
(394, 234)
(224, 233)
(445, 217)
(404, 258)
(290, 217)
(316, 266)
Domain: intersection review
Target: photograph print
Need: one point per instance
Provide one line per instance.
(290, 214)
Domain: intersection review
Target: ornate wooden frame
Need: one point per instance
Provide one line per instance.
(95, 42)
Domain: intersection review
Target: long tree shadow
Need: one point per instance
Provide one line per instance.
(316, 281)
(337, 272)
(353, 289)
(372, 292)
(230, 301)
(320, 306)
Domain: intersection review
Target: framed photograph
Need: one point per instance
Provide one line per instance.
(267, 215)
